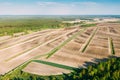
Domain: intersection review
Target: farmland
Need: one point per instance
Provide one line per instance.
(56, 51)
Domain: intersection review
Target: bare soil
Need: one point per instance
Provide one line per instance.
(17, 50)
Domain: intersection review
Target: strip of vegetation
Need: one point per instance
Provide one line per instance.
(111, 46)
(62, 44)
(108, 70)
(54, 64)
(26, 25)
(83, 48)
(88, 25)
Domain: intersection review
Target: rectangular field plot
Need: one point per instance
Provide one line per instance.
(99, 43)
(89, 31)
(97, 52)
(103, 29)
(69, 59)
(102, 37)
(43, 69)
(113, 30)
(117, 52)
(73, 46)
(115, 38)
(116, 44)
(81, 39)
(117, 29)
(101, 34)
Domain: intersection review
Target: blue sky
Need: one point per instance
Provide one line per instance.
(59, 7)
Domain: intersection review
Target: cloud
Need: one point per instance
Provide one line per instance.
(49, 4)
(5, 4)
(88, 3)
(67, 4)
(46, 3)
(57, 8)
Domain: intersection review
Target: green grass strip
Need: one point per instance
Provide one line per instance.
(55, 64)
(112, 51)
(62, 44)
(88, 41)
(88, 25)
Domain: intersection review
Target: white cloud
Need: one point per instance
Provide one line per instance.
(58, 8)
(5, 4)
(88, 3)
(66, 4)
(46, 3)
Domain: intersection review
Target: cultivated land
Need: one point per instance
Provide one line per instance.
(53, 52)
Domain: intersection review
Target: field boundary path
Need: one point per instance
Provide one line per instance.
(85, 45)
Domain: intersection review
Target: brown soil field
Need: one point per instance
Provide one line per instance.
(74, 58)
(117, 52)
(3, 38)
(116, 45)
(14, 51)
(100, 42)
(97, 52)
(43, 69)
(16, 40)
(71, 56)
(22, 47)
(103, 28)
(39, 50)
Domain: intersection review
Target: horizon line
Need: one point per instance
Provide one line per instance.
(58, 15)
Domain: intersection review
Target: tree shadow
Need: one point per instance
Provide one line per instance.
(83, 68)
(95, 61)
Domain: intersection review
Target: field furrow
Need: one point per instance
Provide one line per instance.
(17, 40)
(58, 51)
(18, 49)
(38, 50)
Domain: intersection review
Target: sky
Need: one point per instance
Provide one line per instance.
(59, 7)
